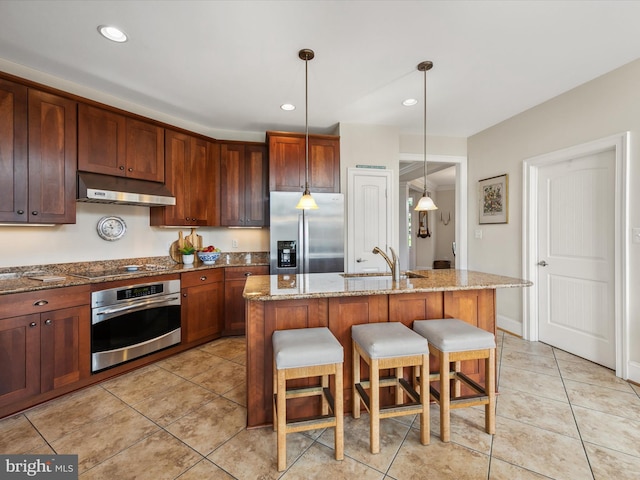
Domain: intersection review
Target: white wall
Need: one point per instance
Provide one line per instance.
(446, 234)
(605, 106)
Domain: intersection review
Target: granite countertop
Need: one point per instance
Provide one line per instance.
(318, 285)
(17, 279)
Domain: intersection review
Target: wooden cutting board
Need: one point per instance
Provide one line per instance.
(192, 239)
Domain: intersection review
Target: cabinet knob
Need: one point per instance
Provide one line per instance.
(47, 321)
(40, 303)
(20, 212)
(33, 324)
(247, 274)
(130, 169)
(34, 213)
(184, 294)
(120, 167)
(203, 278)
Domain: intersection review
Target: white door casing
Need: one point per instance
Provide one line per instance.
(566, 247)
(370, 218)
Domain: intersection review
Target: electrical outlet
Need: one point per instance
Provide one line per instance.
(478, 234)
(234, 243)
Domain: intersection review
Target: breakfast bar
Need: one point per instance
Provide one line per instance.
(340, 300)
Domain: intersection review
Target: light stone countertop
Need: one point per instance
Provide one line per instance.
(319, 285)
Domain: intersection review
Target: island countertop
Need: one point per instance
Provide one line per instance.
(319, 285)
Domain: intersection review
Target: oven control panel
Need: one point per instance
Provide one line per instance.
(137, 292)
(129, 293)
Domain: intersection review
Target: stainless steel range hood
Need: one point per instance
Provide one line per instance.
(96, 188)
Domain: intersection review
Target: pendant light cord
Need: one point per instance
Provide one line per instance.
(424, 145)
(306, 123)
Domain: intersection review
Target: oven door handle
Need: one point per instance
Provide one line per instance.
(138, 306)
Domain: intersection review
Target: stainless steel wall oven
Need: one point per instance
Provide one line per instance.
(135, 320)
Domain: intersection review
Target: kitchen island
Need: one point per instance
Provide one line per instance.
(339, 301)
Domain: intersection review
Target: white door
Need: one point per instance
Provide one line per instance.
(370, 219)
(576, 221)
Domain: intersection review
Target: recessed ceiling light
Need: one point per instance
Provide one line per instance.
(112, 33)
(409, 102)
(287, 107)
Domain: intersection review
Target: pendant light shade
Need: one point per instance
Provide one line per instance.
(425, 203)
(306, 202)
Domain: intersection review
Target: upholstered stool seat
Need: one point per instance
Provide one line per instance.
(303, 353)
(452, 341)
(389, 346)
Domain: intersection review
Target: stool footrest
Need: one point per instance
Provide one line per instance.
(306, 424)
(297, 392)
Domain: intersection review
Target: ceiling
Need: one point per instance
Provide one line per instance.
(229, 65)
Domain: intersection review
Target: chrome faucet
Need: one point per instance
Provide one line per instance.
(394, 265)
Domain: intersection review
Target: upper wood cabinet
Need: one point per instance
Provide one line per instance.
(114, 144)
(244, 199)
(38, 155)
(287, 153)
(192, 176)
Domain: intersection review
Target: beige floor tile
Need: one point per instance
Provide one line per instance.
(569, 357)
(438, 461)
(500, 470)
(511, 342)
(158, 457)
(206, 428)
(140, 384)
(532, 382)
(187, 364)
(636, 388)
(260, 446)
(541, 451)
(467, 428)
(608, 464)
(227, 348)
(238, 394)
(63, 415)
(221, 375)
(527, 361)
(593, 374)
(537, 411)
(174, 402)
(240, 359)
(18, 436)
(614, 402)
(205, 470)
(610, 431)
(357, 445)
(97, 441)
(319, 463)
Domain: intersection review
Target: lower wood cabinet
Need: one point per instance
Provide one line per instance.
(43, 351)
(202, 304)
(234, 280)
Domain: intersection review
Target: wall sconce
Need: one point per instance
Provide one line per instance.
(448, 219)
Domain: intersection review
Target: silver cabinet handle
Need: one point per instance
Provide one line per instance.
(47, 321)
(40, 303)
(543, 263)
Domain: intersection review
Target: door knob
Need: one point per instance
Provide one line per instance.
(361, 260)
(543, 263)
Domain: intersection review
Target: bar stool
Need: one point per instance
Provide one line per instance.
(453, 340)
(303, 353)
(394, 346)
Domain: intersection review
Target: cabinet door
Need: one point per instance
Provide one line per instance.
(145, 151)
(232, 189)
(256, 195)
(324, 165)
(13, 152)
(202, 306)
(286, 164)
(65, 346)
(177, 151)
(52, 158)
(201, 178)
(234, 311)
(101, 141)
(19, 357)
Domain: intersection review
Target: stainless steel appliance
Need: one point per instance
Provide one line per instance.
(132, 321)
(306, 241)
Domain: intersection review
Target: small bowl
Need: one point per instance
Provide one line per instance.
(208, 258)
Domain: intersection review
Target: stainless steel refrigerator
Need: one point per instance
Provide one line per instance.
(306, 241)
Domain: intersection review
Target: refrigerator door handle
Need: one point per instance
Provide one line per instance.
(300, 253)
(305, 243)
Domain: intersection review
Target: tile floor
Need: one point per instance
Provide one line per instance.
(558, 417)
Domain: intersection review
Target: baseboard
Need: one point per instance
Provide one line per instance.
(633, 372)
(510, 325)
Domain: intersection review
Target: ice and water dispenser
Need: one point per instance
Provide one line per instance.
(287, 254)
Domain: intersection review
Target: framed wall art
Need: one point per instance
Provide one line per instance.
(494, 199)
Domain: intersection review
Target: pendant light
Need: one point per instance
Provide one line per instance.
(306, 201)
(425, 203)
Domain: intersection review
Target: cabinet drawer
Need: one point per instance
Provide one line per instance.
(201, 277)
(234, 273)
(43, 300)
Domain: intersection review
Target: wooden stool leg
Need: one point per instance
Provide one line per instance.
(325, 403)
(275, 391)
(456, 382)
(425, 427)
(399, 390)
(490, 386)
(339, 413)
(355, 396)
(374, 429)
(282, 421)
(445, 397)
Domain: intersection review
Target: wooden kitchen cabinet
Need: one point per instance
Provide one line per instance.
(113, 144)
(42, 351)
(287, 162)
(244, 198)
(192, 176)
(234, 280)
(202, 305)
(38, 150)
